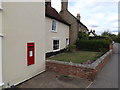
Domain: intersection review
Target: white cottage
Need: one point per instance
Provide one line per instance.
(57, 31)
(22, 41)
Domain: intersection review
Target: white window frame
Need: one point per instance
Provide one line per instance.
(53, 45)
(67, 41)
(54, 26)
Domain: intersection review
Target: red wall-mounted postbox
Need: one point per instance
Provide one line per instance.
(30, 53)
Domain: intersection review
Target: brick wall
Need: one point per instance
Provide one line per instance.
(76, 70)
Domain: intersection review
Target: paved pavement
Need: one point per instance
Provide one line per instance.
(107, 78)
(53, 80)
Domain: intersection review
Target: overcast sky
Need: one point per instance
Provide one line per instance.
(99, 15)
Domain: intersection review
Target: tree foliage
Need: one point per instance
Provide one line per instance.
(118, 38)
(110, 35)
(83, 36)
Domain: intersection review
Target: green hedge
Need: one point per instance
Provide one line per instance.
(101, 38)
(118, 38)
(93, 45)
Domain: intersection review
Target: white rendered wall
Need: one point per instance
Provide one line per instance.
(1, 83)
(61, 34)
(22, 23)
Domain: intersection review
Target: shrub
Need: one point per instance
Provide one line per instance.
(93, 45)
(71, 48)
(83, 36)
(96, 37)
(101, 38)
(113, 37)
(118, 38)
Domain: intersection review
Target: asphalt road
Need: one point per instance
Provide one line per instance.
(108, 77)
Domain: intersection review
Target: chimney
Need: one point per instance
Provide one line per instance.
(78, 16)
(64, 5)
(48, 3)
(93, 31)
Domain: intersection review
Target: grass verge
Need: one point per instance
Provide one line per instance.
(77, 56)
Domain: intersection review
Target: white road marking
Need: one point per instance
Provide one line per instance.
(89, 84)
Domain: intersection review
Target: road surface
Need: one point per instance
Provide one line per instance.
(108, 77)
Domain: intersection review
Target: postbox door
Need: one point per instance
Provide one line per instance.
(30, 53)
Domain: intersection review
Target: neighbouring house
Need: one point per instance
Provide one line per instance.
(92, 33)
(57, 31)
(75, 22)
(22, 41)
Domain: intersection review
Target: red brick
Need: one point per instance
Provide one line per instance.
(72, 70)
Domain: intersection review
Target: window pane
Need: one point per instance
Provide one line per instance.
(55, 48)
(53, 25)
(55, 44)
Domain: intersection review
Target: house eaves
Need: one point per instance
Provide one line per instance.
(52, 13)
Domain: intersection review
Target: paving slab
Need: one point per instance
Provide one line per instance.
(53, 80)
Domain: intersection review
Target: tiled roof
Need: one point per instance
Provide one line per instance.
(52, 13)
(82, 24)
(77, 19)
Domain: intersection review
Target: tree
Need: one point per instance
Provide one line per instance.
(110, 35)
(106, 33)
(83, 36)
(118, 38)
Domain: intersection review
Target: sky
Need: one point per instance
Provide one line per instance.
(98, 15)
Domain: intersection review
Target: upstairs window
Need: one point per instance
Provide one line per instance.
(54, 26)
